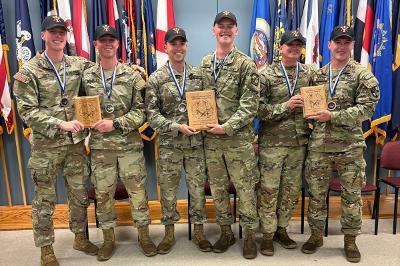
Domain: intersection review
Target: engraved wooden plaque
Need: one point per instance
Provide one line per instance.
(201, 108)
(87, 110)
(314, 99)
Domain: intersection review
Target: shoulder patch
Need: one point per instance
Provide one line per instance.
(140, 84)
(255, 79)
(22, 77)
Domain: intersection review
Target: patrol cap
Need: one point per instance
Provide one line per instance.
(173, 33)
(290, 36)
(104, 30)
(225, 14)
(342, 31)
(51, 22)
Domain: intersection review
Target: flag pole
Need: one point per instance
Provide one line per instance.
(5, 172)
(375, 166)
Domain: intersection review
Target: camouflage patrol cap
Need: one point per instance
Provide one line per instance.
(342, 31)
(225, 14)
(173, 33)
(105, 30)
(290, 36)
(51, 22)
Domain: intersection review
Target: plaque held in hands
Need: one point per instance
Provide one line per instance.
(201, 108)
(314, 98)
(87, 110)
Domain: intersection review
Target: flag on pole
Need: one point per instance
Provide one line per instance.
(260, 34)
(293, 14)
(309, 29)
(329, 20)
(99, 18)
(126, 30)
(346, 13)
(366, 16)
(165, 21)
(24, 41)
(64, 11)
(48, 8)
(80, 29)
(149, 36)
(394, 124)
(5, 98)
(381, 66)
(114, 21)
(279, 26)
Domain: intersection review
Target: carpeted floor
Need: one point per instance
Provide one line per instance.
(17, 248)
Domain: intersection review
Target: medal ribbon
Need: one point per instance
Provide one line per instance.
(289, 86)
(220, 65)
(332, 89)
(104, 80)
(61, 84)
(181, 89)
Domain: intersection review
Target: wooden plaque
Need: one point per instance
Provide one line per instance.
(87, 110)
(201, 108)
(314, 99)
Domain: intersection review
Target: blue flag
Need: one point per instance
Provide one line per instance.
(394, 124)
(345, 13)
(139, 34)
(99, 17)
(293, 14)
(149, 37)
(279, 26)
(260, 34)
(329, 20)
(47, 8)
(381, 65)
(25, 45)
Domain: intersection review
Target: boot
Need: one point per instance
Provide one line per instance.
(168, 241)
(107, 249)
(145, 242)
(47, 257)
(81, 243)
(200, 240)
(351, 249)
(225, 240)
(282, 238)
(267, 245)
(249, 245)
(315, 241)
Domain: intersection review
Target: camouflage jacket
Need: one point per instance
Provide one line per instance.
(357, 94)
(162, 100)
(128, 105)
(281, 126)
(38, 97)
(237, 94)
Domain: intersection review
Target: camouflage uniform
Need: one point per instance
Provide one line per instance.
(119, 153)
(53, 151)
(341, 141)
(282, 145)
(231, 155)
(175, 149)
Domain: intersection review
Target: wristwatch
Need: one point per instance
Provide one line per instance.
(116, 124)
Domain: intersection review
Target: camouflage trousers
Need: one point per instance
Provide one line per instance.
(129, 166)
(170, 163)
(351, 167)
(46, 165)
(234, 161)
(281, 179)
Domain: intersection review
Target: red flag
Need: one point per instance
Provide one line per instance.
(80, 29)
(113, 21)
(368, 30)
(5, 103)
(165, 21)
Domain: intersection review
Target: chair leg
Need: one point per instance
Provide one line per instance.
(327, 213)
(234, 207)
(376, 208)
(303, 197)
(396, 201)
(87, 229)
(189, 223)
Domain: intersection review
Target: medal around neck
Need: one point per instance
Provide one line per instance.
(109, 108)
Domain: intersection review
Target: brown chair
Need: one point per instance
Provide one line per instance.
(207, 192)
(120, 194)
(334, 185)
(390, 160)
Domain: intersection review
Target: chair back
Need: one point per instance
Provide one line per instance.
(390, 156)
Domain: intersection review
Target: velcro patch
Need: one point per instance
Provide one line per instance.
(21, 77)
(255, 79)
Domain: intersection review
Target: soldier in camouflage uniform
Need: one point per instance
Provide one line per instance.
(228, 145)
(352, 93)
(282, 140)
(44, 89)
(116, 147)
(179, 144)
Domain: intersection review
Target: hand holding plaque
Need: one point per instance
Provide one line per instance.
(87, 110)
(314, 99)
(201, 108)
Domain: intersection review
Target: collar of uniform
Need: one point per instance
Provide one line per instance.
(230, 59)
(97, 70)
(44, 64)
